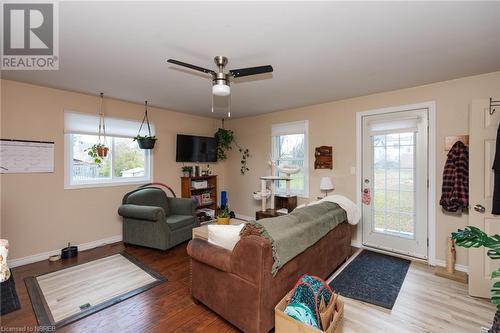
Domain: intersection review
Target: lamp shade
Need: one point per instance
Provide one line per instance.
(326, 184)
(221, 90)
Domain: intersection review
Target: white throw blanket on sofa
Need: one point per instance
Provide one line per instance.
(352, 210)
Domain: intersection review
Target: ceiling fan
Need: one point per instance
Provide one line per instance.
(221, 79)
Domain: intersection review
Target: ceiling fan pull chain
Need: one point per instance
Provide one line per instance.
(229, 107)
(212, 102)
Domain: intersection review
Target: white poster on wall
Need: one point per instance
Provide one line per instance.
(23, 156)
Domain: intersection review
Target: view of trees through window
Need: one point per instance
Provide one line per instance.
(124, 160)
(394, 183)
(290, 150)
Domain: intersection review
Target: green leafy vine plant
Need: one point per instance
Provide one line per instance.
(225, 140)
(224, 212)
(475, 237)
(97, 152)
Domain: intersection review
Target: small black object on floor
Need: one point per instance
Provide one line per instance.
(8, 295)
(373, 278)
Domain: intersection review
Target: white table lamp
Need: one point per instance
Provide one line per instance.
(326, 185)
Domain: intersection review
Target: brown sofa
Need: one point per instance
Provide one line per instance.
(239, 286)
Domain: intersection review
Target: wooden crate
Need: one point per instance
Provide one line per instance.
(283, 323)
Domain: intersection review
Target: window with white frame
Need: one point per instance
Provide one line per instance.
(125, 162)
(289, 147)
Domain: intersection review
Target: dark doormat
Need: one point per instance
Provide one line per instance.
(74, 292)
(8, 296)
(373, 278)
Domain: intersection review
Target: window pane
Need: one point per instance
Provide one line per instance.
(291, 146)
(290, 150)
(83, 166)
(128, 159)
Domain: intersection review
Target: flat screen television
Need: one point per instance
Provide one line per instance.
(192, 148)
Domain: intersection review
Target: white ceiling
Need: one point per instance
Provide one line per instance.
(321, 51)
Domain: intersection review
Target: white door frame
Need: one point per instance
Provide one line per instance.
(431, 167)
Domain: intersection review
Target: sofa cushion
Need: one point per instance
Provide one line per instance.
(179, 221)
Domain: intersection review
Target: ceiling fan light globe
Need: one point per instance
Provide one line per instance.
(221, 90)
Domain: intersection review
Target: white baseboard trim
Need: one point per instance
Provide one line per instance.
(458, 267)
(244, 217)
(356, 244)
(45, 255)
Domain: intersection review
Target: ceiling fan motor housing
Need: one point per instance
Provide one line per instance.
(220, 81)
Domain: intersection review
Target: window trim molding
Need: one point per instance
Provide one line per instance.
(68, 185)
(305, 193)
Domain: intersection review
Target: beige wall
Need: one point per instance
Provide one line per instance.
(335, 124)
(37, 213)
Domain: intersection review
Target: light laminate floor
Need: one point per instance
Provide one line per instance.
(426, 303)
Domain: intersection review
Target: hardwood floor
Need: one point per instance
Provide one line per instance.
(426, 303)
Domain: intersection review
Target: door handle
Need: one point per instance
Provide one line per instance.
(479, 208)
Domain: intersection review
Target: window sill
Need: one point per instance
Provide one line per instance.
(299, 195)
(107, 184)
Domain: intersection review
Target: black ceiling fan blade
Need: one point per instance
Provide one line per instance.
(196, 68)
(251, 71)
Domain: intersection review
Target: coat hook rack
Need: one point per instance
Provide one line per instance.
(493, 105)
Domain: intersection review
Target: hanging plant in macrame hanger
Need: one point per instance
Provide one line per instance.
(145, 141)
(100, 149)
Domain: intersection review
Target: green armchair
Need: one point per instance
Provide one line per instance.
(152, 219)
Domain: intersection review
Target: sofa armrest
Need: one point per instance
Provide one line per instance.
(181, 206)
(150, 213)
(212, 255)
(250, 257)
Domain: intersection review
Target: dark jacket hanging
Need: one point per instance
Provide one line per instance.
(496, 168)
(455, 190)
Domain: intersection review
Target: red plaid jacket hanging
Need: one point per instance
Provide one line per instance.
(455, 190)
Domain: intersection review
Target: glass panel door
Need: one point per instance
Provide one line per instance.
(395, 175)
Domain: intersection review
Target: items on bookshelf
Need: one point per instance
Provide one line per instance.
(195, 171)
(203, 189)
(199, 184)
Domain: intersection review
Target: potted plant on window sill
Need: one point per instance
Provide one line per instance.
(223, 216)
(145, 141)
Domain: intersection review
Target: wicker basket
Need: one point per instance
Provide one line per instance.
(286, 324)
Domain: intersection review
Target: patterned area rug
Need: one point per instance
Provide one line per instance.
(373, 278)
(8, 295)
(64, 296)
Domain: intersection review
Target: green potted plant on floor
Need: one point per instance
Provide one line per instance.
(475, 237)
(223, 215)
(145, 141)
